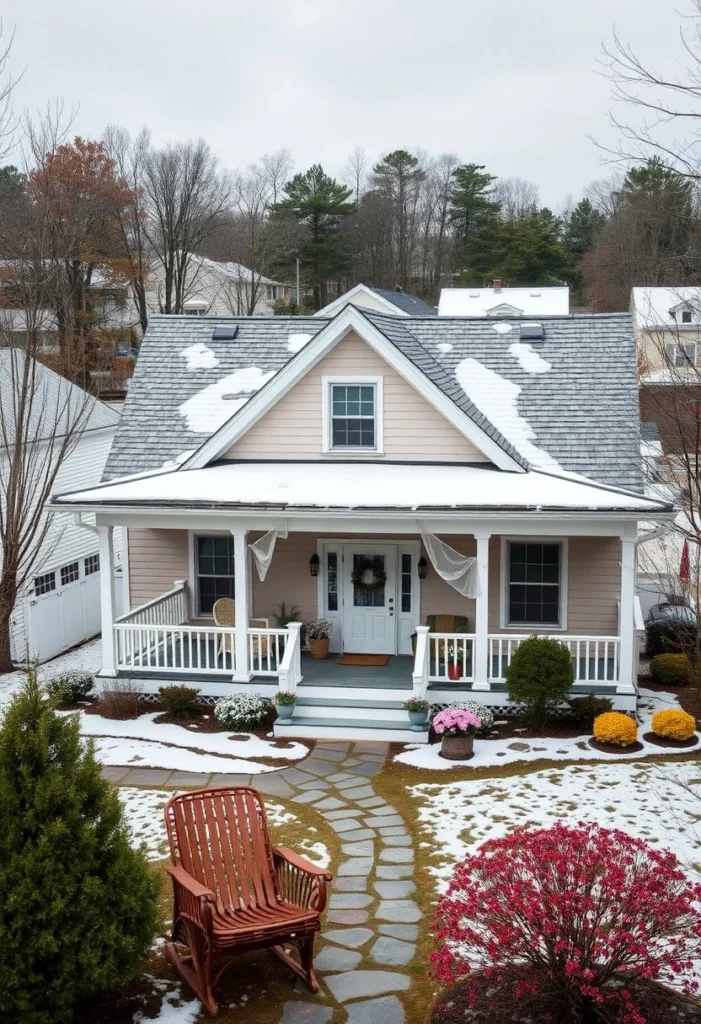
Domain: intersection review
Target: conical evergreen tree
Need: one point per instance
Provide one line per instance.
(78, 906)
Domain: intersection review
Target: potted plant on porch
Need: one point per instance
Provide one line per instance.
(457, 728)
(285, 705)
(418, 712)
(318, 633)
(455, 661)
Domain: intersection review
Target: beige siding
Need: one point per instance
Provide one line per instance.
(288, 580)
(156, 559)
(593, 585)
(413, 430)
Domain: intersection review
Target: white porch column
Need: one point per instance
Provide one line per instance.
(241, 578)
(482, 614)
(626, 682)
(106, 543)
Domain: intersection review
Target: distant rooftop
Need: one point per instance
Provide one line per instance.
(393, 301)
(501, 302)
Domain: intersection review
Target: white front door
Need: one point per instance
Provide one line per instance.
(369, 616)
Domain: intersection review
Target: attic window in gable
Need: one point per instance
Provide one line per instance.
(195, 307)
(352, 410)
(687, 316)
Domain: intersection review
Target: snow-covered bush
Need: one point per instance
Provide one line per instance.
(71, 687)
(241, 710)
(485, 714)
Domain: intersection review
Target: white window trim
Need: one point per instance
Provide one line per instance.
(541, 627)
(345, 453)
(192, 581)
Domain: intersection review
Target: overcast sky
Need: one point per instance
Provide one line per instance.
(509, 83)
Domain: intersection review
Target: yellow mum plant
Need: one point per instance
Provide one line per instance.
(674, 725)
(616, 728)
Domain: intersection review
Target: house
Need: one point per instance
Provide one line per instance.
(376, 471)
(59, 604)
(221, 289)
(666, 322)
(500, 302)
(393, 301)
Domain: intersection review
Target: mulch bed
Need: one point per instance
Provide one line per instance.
(614, 748)
(140, 1000)
(664, 741)
(655, 1002)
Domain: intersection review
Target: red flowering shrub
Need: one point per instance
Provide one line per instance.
(576, 915)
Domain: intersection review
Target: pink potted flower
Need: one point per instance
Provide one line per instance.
(457, 728)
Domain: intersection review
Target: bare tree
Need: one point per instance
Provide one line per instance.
(355, 172)
(8, 121)
(516, 196)
(130, 156)
(186, 195)
(276, 169)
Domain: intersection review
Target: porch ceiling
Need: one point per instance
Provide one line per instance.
(359, 486)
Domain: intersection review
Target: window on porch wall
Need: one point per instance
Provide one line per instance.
(214, 571)
(534, 584)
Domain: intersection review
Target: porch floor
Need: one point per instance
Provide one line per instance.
(395, 675)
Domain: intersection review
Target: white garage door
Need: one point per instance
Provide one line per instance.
(64, 608)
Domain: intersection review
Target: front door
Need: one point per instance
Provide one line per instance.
(369, 592)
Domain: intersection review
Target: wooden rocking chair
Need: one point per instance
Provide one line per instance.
(234, 892)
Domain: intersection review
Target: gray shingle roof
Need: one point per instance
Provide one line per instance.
(583, 412)
(407, 303)
(649, 431)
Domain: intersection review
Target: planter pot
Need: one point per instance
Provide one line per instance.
(284, 713)
(454, 672)
(418, 720)
(319, 648)
(457, 748)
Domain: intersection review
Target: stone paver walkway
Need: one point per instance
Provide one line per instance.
(371, 911)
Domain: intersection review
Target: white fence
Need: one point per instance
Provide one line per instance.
(595, 659)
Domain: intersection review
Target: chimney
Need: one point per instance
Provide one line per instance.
(496, 284)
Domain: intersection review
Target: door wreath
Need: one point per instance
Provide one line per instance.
(379, 576)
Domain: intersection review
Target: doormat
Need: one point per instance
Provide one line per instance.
(364, 659)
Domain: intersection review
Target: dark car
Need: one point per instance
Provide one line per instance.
(670, 627)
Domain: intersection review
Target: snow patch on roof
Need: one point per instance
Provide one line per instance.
(528, 358)
(211, 407)
(502, 328)
(199, 356)
(497, 398)
(179, 459)
(296, 342)
(444, 347)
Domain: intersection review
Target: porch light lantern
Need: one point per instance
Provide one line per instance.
(423, 568)
(314, 565)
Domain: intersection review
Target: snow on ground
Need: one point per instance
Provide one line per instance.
(87, 658)
(644, 800)
(491, 753)
(140, 741)
(211, 407)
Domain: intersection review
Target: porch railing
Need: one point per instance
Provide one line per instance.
(451, 658)
(169, 609)
(595, 659)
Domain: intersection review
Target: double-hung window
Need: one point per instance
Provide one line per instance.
(534, 583)
(214, 571)
(681, 354)
(353, 416)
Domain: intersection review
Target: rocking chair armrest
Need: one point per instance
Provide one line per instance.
(194, 888)
(301, 863)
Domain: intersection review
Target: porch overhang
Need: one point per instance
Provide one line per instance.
(362, 490)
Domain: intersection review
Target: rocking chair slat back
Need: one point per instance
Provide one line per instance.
(220, 837)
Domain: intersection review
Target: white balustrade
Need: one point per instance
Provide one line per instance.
(420, 673)
(266, 649)
(290, 673)
(179, 649)
(595, 659)
(168, 609)
(451, 657)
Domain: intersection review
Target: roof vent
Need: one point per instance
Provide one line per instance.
(532, 332)
(535, 294)
(225, 333)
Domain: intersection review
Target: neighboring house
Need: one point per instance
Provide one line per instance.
(388, 474)
(667, 326)
(382, 300)
(59, 605)
(501, 302)
(221, 289)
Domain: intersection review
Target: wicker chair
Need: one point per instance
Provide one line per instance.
(234, 892)
(224, 613)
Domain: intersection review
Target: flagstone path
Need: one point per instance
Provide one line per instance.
(371, 912)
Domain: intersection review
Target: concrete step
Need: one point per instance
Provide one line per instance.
(324, 707)
(306, 727)
(390, 695)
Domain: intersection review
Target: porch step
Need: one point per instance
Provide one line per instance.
(306, 727)
(322, 707)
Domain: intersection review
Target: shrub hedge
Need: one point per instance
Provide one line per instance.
(671, 669)
(674, 725)
(179, 701)
(539, 678)
(616, 728)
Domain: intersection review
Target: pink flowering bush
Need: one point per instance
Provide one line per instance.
(578, 916)
(457, 722)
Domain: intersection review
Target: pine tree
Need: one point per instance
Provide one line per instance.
(78, 906)
(398, 178)
(320, 203)
(473, 215)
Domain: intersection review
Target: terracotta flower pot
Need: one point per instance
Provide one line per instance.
(457, 748)
(319, 648)
(454, 671)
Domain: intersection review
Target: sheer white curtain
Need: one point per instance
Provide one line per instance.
(263, 548)
(456, 569)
